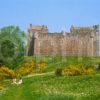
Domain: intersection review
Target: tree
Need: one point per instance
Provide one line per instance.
(12, 46)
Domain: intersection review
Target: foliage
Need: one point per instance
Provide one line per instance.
(98, 66)
(88, 71)
(78, 70)
(59, 72)
(72, 70)
(1, 87)
(5, 71)
(30, 67)
(26, 68)
(2, 77)
(11, 46)
(42, 66)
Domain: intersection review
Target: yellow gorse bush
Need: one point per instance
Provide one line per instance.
(88, 71)
(26, 68)
(5, 71)
(77, 70)
(72, 70)
(1, 87)
(2, 76)
(42, 66)
(30, 68)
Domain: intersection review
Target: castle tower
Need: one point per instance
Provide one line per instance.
(33, 37)
(89, 38)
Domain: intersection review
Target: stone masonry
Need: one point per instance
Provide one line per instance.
(80, 41)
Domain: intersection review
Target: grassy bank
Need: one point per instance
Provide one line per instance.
(50, 87)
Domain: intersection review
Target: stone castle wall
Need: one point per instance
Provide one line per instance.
(82, 41)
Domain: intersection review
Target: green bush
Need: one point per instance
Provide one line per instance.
(59, 72)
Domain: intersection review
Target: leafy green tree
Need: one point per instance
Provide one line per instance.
(12, 46)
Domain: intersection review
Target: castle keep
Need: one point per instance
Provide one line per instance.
(80, 41)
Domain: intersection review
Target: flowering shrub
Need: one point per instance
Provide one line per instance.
(26, 68)
(1, 87)
(78, 70)
(5, 71)
(72, 70)
(2, 77)
(88, 71)
(42, 66)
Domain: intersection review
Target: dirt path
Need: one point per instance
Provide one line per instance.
(49, 73)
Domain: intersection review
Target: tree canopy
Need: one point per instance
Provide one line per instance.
(12, 46)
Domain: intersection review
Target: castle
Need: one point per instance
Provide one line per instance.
(80, 41)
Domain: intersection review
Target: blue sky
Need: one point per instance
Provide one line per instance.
(57, 14)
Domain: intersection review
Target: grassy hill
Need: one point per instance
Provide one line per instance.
(51, 87)
(48, 86)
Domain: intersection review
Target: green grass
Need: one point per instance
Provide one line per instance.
(51, 87)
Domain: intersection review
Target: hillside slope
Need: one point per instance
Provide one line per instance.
(51, 87)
